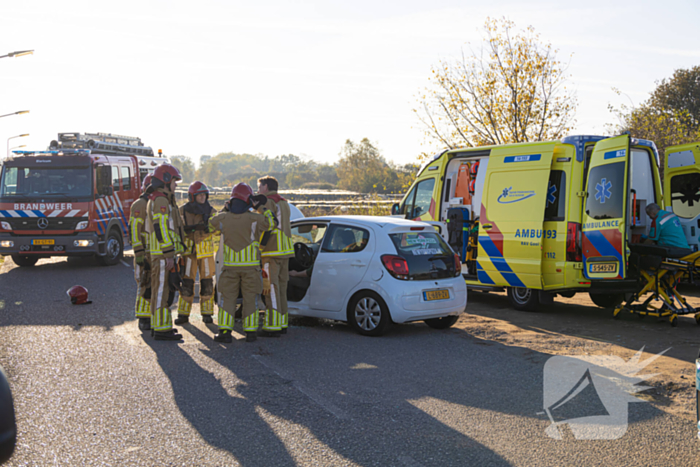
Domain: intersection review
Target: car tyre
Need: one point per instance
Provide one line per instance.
(114, 249)
(368, 314)
(442, 323)
(524, 299)
(607, 300)
(25, 261)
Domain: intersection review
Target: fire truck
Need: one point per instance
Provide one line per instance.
(73, 199)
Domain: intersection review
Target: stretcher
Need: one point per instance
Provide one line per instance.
(660, 270)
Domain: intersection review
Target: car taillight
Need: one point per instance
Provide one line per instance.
(458, 265)
(573, 242)
(396, 265)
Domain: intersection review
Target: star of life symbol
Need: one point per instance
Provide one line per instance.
(506, 191)
(551, 196)
(590, 393)
(603, 190)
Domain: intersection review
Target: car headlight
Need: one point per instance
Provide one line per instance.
(6, 225)
(81, 225)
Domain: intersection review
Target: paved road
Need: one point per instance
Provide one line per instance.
(90, 389)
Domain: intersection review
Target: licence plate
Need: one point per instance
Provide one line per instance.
(443, 294)
(43, 242)
(604, 267)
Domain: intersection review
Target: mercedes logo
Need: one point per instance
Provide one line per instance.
(42, 223)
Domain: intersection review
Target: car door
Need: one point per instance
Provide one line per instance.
(341, 264)
(682, 188)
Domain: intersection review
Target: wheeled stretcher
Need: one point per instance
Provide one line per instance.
(659, 270)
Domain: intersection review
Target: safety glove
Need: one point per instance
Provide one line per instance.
(266, 283)
(258, 200)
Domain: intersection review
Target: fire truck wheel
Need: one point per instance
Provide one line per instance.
(25, 261)
(523, 299)
(114, 248)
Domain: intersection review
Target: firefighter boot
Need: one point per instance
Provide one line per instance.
(145, 324)
(251, 336)
(207, 319)
(182, 319)
(170, 335)
(224, 336)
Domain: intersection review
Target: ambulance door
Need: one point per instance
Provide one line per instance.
(604, 231)
(682, 188)
(512, 215)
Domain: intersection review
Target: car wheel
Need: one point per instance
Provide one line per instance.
(368, 314)
(523, 299)
(114, 249)
(442, 323)
(607, 300)
(24, 261)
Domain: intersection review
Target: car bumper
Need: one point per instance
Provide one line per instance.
(84, 243)
(408, 301)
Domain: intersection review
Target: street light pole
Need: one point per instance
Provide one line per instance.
(19, 112)
(13, 137)
(19, 53)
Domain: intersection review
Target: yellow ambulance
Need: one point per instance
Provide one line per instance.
(682, 188)
(541, 219)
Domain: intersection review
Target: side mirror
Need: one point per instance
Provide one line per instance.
(395, 208)
(8, 426)
(104, 180)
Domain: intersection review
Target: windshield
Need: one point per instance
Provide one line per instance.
(25, 182)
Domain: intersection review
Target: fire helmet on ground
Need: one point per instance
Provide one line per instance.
(78, 295)
(242, 191)
(197, 188)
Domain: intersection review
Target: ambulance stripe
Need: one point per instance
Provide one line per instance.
(483, 276)
(600, 241)
(489, 247)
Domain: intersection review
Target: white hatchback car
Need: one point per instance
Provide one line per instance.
(371, 271)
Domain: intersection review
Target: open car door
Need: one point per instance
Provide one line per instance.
(682, 188)
(605, 212)
(512, 215)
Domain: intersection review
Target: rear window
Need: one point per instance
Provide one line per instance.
(427, 255)
(606, 191)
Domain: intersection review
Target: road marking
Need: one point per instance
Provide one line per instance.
(333, 409)
(125, 263)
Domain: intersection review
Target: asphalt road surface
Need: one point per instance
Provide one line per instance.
(90, 389)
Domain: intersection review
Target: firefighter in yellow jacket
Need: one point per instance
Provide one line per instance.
(240, 230)
(164, 226)
(139, 243)
(275, 253)
(199, 255)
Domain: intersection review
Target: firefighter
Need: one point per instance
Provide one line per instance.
(164, 225)
(241, 230)
(275, 254)
(199, 255)
(139, 242)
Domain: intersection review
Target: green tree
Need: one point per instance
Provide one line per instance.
(680, 96)
(186, 167)
(362, 168)
(512, 90)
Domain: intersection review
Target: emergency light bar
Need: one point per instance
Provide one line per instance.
(55, 153)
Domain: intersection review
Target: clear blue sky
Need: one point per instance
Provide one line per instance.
(281, 77)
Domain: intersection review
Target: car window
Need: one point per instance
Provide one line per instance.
(115, 178)
(345, 239)
(308, 233)
(126, 178)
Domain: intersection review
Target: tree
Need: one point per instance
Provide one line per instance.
(512, 91)
(680, 95)
(186, 167)
(362, 168)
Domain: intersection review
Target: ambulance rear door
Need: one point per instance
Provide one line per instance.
(682, 188)
(512, 215)
(604, 230)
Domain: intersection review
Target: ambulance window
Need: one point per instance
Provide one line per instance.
(556, 197)
(126, 178)
(606, 191)
(685, 195)
(423, 197)
(115, 178)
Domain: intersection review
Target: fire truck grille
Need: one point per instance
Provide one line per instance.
(44, 223)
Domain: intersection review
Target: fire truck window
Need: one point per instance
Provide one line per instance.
(115, 178)
(685, 195)
(556, 196)
(126, 178)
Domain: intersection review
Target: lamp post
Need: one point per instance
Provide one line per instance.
(13, 137)
(19, 112)
(19, 53)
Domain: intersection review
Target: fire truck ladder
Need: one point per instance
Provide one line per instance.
(103, 143)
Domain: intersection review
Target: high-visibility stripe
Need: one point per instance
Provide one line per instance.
(284, 245)
(226, 321)
(183, 307)
(161, 284)
(249, 256)
(205, 248)
(250, 323)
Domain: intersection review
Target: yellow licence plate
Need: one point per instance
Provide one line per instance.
(436, 295)
(43, 242)
(604, 267)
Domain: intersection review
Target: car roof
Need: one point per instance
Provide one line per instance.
(382, 222)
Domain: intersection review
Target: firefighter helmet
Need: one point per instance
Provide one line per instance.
(166, 172)
(242, 191)
(78, 295)
(197, 188)
(146, 182)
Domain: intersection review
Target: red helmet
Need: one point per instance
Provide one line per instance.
(242, 191)
(78, 295)
(146, 182)
(197, 188)
(166, 172)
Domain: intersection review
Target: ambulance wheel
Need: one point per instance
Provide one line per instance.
(25, 261)
(523, 299)
(607, 300)
(442, 323)
(114, 249)
(674, 321)
(368, 314)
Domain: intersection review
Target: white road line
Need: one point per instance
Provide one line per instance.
(125, 264)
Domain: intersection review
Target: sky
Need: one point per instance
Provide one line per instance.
(302, 77)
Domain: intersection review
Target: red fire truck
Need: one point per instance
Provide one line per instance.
(73, 199)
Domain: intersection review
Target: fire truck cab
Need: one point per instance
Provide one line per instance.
(73, 199)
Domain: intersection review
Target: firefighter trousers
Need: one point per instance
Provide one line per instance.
(161, 297)
(249, 282)
(276, 316)
(143, 282)
(206, 268)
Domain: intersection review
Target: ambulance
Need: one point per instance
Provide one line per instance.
(542, 219)
(682, 188)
